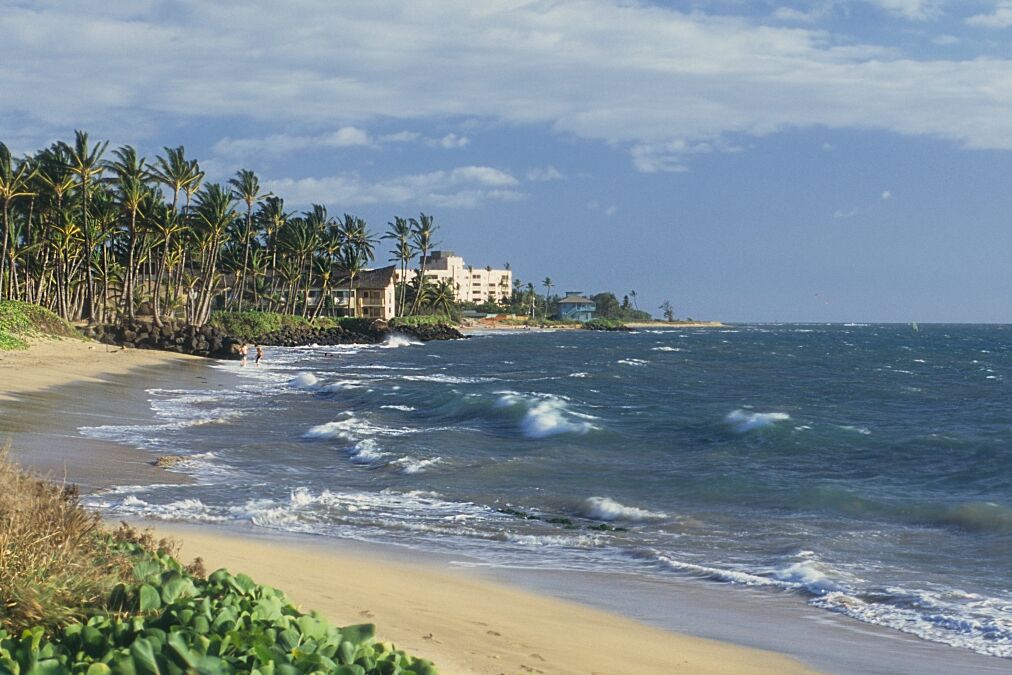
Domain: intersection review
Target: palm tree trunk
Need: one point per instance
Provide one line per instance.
(88, 311)
(6, 245)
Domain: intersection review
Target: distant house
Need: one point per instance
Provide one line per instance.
(374, 295)
(576, 307)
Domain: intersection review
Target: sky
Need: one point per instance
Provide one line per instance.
(746, 160)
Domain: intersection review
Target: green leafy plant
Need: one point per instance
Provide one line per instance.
(20, 320)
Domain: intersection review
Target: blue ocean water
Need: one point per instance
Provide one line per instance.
(865, 468)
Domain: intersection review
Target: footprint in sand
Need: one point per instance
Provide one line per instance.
(492, 632)
(366, 613)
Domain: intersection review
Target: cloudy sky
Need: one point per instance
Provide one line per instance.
(836, 160)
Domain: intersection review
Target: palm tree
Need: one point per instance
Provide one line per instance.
(214, 211)
(272, 218)
(355, 254)
(246, 188)
(86, 163)
(14, 184)
(633, 294)
(422, 231)
(133, 193)
(440, 298)
(547, 283)
(403, 250)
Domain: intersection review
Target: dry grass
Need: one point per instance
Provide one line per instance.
(56, 561)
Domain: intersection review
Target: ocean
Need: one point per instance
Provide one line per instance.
(864, 469)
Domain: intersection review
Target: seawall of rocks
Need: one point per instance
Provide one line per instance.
(200, 341)
(213, 343)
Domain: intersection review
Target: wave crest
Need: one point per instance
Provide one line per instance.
(605, 508)
(743, 420)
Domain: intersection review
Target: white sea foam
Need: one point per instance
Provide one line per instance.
(806, 574)
(579, 374)
(864, 431)
(397, 340)
(633, 362)
(366, 451)
(410, 465)
(304, 381)
(448, 379)
(605, 508)
(342, 385)
(932, 617)
(743, 420)
(352, 428)
(665, 348)
(547, 418)
(403, 408)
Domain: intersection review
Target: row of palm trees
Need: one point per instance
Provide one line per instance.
(97, 236)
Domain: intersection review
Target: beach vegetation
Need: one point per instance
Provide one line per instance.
(76, 598)
(422, 320)
(604, 324)
(20, 321)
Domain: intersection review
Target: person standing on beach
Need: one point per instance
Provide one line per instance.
(260, 355)
(243, 352)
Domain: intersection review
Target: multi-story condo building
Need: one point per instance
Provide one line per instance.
(470, 283)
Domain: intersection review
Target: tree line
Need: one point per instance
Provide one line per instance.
(99, 235)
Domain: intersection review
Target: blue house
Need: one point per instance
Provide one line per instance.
(576, 307)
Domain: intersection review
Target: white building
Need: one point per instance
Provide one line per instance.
(470, 283)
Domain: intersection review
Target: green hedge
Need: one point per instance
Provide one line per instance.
(422, 320)
(19, 320)
(604, 324)
(169, 622)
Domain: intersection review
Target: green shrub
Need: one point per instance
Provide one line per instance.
(168, 621)
(19, 320)
(422, 320)
(604, 324)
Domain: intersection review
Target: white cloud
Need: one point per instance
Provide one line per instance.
(283, 144)
(1001, 17)
(886, 195)
(449, 142)
(945, 40)
(545, 174)
(840, 213)
(462, 187)
(911, 9)
(640, 77)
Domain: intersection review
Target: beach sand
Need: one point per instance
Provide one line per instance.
(465, 624)
(53, 362)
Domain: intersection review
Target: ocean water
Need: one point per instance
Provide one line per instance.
(866, 469)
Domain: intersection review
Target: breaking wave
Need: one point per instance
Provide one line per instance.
(605, 508)
(743, 421)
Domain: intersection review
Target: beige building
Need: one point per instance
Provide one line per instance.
(374, 294)
(470, 283)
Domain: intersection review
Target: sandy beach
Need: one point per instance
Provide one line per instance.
(54, 362)
(464, 624)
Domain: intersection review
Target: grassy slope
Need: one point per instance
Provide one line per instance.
(20, 320)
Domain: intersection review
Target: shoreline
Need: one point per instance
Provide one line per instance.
(774, 623)
(433, 612)
(462, 621)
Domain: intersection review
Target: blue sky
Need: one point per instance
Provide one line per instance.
(837, 160)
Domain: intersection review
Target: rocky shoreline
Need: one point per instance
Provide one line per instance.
(212, 342)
